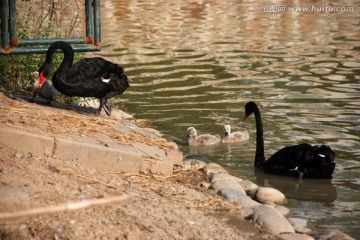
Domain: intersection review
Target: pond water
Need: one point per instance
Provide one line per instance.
(197, 63)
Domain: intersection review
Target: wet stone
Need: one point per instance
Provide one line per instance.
(294, 236)
(336, 235)
(269, 218)
(283, 210)
(248, 186)
(213, 168)
(193, 164)
(224, 184)
(224, 177)
(232, 195)
(301, 225)
(247, 211)
(268, 195)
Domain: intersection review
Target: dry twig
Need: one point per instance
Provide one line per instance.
(64, 207)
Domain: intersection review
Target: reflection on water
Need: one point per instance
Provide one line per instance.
(197, 62)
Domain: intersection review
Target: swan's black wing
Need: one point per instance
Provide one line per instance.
(85, 78)
(309, 161)
(288, 160)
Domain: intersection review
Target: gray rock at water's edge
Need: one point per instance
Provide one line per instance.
(336, 235)
(247, 211)
(193, 164)
(199, 157)
(269, 218)
(301, 225)
(224, 177)
(212, 168)
(268, 195)
(283, 210)
(231, 194)
(239, 197)
(224, 184)
(248, 185)
(293, 236)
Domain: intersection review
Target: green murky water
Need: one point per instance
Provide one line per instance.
(197, 62)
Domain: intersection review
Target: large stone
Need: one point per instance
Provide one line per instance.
(248, 185)
(336, 235)
(223, 184)
(301, 225)
(225, 177)
(232, 195)
(213, 168)
(269, 195)
(283, 210)
(269, 218)
(294, 236)
(195, 162)
(247, 211)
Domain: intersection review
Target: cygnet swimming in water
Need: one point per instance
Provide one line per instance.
(44, 89)
(204, 139)
(233, 137)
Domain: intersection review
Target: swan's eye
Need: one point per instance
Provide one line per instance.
(321, 155)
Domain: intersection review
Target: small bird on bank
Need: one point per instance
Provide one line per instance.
(43, 88)
(204, 139)
(233, 137)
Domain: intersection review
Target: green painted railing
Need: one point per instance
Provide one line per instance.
(10, 41)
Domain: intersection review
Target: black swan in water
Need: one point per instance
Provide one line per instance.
(301, 160)
(90, 77)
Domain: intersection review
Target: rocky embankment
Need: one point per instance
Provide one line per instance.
(53, 155)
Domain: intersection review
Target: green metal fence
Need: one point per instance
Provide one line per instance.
(12, 44)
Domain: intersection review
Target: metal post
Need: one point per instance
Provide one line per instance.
(4, 26)
(89, 22)
(12, 12)
(97, 32)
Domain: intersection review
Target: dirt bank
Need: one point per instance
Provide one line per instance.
(169, 206)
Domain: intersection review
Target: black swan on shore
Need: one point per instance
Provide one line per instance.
(90, 77)
(301, 160)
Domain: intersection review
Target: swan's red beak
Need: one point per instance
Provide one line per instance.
(246, 117)
(41, 79)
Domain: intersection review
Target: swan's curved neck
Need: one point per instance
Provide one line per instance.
(68, 54)
(259, 155)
